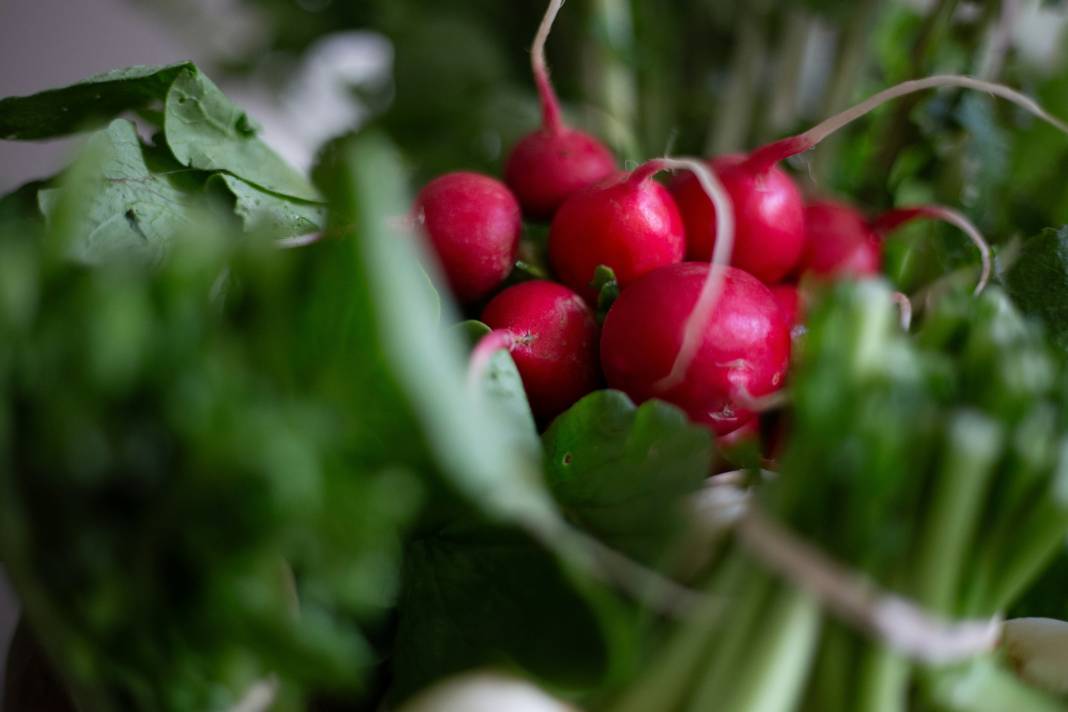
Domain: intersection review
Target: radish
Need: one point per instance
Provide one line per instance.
(741, 352)
(629, 223)
(788, 297)
(555, 162)
(768, 213)
(473, 223)
(552, 336)
(841, 242)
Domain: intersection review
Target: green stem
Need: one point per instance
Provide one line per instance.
(884, 681)
(732, 126)
(610, 79)
(973, 443)
(772, 678)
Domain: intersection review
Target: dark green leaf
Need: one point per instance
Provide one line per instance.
(477, 595)
(87, 104)
(1038, 281)
(607, 288)
(623, 472)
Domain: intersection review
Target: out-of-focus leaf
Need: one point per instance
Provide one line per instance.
(462, 433)
(624, 472)
(1038, 281)
(88, 103)
(477, 595)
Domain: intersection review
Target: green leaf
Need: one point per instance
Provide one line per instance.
(465, 436)
(87, 104)
(118, 207)
(205, 130)
(623, 472)
(270, 215)
(503, 386)
(607, 288)
(1038, 281)
(477, 595)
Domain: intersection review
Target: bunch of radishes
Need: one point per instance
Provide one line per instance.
(713, 339)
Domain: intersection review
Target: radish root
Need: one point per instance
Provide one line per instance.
(721, 255)
(550, 104)
(899, 216)
(904, 305)
(776, 151)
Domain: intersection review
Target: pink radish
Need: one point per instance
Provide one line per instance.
(742, 350)
(629, 223)
(473, 223)
(555, 162)
(768, 213)
(788, 297)
(841, 242)
(552, 336)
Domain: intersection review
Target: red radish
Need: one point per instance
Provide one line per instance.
(555, 162)
(742, 346)
(768, 214)
(788, 297)
(473, 223)
(629, 223)
(552, 336)
(839, 241)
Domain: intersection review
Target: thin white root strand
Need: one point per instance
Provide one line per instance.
(904, 306)
(549, 103)
(721, 256)
(824, 129)
(900, 623)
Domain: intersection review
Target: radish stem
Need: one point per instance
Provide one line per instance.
(491, 343)
(892, 219)
(550, 104)
(767, 156)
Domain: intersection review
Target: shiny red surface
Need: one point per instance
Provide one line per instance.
(629, 225)
(745, 346)
(547, 167)
(554, 343)
(473, 223)
(768, 215)
(839, 241)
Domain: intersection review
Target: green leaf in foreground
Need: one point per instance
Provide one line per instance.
(1038, 281)
(476, 595)
(115, 206)
(623, 472)
(87, 104)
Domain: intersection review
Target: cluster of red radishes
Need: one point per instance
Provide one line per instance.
(712, 339)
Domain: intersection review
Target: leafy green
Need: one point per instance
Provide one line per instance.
(270, 215)
(87, 104)
(476, 595)
(205, 130)
(1038, 281)
(624, 472)
(127, 209)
